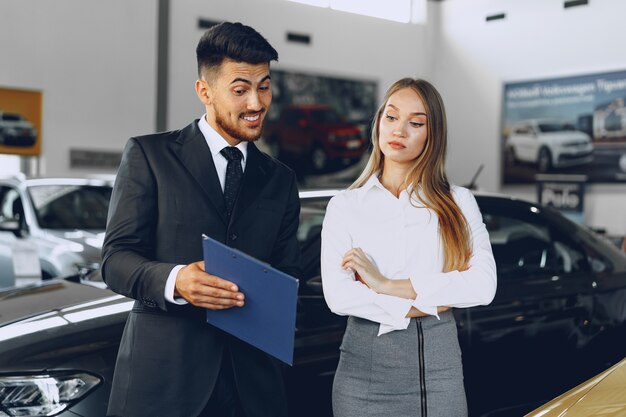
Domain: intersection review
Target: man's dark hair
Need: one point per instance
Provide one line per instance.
(235, 41)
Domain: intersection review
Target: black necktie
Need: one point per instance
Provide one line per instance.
(233, 176)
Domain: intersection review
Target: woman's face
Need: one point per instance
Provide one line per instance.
(403, 127)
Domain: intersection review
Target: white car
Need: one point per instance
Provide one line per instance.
(548, 144)
(62, 219)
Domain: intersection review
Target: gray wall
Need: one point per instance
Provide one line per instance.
(95, 63)
(343, 45)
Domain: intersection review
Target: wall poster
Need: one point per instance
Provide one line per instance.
(319, 124)
(20, 121)
(573, 125)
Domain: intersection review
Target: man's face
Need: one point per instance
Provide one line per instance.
(236, 99)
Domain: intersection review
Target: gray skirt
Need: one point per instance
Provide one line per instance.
(413, 372)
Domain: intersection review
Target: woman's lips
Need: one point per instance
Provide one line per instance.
(396, 145)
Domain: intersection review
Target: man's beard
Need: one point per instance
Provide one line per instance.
(234, 131)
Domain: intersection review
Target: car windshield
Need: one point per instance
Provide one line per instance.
(322, 116)
(70, 206)
(11, 117)
(556, 127)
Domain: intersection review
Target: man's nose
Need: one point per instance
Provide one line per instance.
(254, 101)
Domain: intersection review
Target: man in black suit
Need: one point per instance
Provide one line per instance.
(171, 188)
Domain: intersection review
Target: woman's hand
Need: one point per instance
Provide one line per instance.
(364, 270)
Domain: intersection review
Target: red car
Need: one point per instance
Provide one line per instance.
(314, 136)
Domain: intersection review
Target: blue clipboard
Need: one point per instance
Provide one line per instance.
(267, 320)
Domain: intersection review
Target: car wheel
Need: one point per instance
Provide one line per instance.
(545, 160)
(510, 156)
(319, 160)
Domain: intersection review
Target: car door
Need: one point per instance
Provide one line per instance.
(524, 342)
(293, 131)
(526, 143)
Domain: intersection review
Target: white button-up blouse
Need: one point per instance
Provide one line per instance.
(402, 239)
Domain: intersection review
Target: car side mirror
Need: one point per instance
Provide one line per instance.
(11, 225)
(315, 285)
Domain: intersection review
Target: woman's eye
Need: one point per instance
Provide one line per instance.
(239, 91)
(390, 118)
(417, 124)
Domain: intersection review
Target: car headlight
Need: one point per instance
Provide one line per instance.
(43, 394)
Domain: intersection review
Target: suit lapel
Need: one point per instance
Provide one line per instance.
(254, 179)
(192, 150)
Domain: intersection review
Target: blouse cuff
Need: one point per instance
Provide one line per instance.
(430, 310)
(397, 308)
(427, 285)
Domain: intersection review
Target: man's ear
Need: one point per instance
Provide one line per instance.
(203, 90)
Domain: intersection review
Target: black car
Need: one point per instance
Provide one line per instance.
(558, 318)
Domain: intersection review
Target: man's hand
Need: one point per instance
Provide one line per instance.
(205, 290)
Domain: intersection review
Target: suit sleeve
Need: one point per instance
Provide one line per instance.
(286, 252)
(128, 253)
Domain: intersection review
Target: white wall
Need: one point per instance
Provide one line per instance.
(95, 63)
(343, 45)
(538, 39)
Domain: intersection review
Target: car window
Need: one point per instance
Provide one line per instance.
(555, 127)
(530, 247)
(291, 117)
(71, 206)
(11, 117)
(324, 116)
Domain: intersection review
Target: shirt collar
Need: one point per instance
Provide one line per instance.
(374, 182)
(216, 142)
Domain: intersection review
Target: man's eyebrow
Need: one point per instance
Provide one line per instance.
(417, 113)
(244, 80)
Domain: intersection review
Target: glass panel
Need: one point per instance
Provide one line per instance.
(71, 206)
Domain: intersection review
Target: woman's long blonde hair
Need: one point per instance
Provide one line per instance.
(428, 171)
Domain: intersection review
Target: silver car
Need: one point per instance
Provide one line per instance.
(16, 131)
(62, 219)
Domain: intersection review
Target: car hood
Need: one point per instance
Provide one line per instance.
(87, 243)
(566, 137)
(340, 128)
(598, 395)
(17, 124)
(21, 304)
(39, 323)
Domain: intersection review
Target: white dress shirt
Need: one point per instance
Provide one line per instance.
(402, 239)
(216, 143)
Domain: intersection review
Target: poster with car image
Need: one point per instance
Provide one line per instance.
(319, 124)
(570, 125)
(20, 121)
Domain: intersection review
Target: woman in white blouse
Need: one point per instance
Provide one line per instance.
(400, 248)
